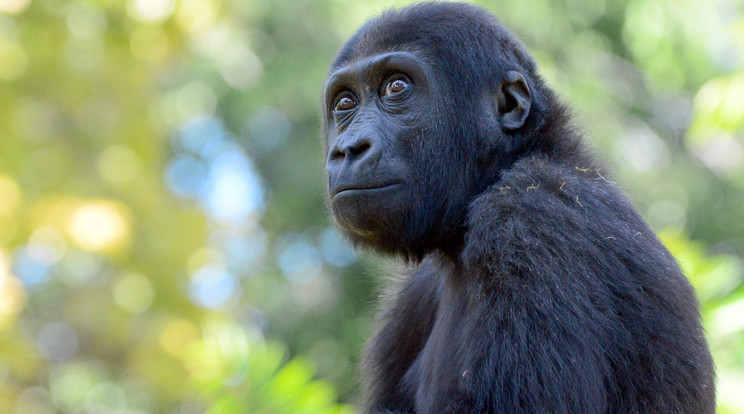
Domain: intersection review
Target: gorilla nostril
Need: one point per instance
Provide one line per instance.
(336, 154)
(360, 148)
(354, 150)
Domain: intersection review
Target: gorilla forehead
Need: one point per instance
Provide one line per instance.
(438, 31)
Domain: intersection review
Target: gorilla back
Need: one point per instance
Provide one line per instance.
(536, 287)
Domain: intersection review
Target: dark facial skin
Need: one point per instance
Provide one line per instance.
(376, 108)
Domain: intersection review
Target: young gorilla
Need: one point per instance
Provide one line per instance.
(538, 289)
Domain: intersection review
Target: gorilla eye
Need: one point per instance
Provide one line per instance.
(395, 86)
(345, 103)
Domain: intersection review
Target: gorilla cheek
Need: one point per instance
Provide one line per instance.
(371, 214)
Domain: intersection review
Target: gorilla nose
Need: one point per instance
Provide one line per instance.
(356, 151)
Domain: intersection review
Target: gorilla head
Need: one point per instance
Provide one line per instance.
(417, 125)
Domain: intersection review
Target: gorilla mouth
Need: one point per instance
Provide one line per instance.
(354, 189)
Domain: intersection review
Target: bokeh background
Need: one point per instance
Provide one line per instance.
(164, 245)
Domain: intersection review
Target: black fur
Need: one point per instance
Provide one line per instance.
(538, 288)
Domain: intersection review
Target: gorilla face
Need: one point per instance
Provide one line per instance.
(379, 121)
(409, 145)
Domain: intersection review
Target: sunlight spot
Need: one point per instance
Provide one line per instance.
(106, 397)
(203, 136)
(241, 68)
(35, 120)
(234, 189)
(195, 99)
(721, 153)
(30, 271)
(727, 319)
(71, 382)
(204, 257)
(14, 61)
(134, 293)
(642, 149)
(86, 20)
(12, 295)
(79, 268)
(99, 225)
(84, 53)
(196, 16)
(13, 6)
(119, 164)
(58, 341)
(299, 260)
(245, 253)
(186, 176)
(151, 11)
(177, 334)
(212, 286)
(10, 195)
(268, 128)
(335, 251)
(46, 246)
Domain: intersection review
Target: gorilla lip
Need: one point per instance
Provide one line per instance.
(353, 189)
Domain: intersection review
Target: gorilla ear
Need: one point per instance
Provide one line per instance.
(513, 100)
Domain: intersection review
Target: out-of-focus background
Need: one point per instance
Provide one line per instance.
(164, 246)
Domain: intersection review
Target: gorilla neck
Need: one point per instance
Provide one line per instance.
(555, 141)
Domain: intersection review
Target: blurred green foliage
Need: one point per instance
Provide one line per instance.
(163, 240)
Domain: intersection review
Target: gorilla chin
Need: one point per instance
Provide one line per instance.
(366, 211)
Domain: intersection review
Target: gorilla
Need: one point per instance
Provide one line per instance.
(535, 285)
